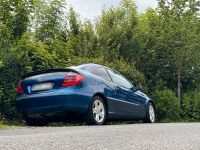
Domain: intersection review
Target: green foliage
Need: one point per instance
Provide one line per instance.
(15, 15)
(191, 105)
(1, 64)
(173, 40)
(115, 30)
(167, 105)
(49, 21)
(34, 55)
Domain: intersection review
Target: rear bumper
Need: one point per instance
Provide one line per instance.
(53, 102)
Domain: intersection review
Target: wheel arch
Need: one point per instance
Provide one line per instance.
(154, 105)
(104, 99)
(151, 101)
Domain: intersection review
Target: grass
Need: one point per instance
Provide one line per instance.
(2, 126)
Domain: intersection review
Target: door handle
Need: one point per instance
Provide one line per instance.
(118, 88)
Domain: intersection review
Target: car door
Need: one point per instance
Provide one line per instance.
(122, 99)
(136, 97)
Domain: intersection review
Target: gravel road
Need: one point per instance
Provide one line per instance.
(173, 136)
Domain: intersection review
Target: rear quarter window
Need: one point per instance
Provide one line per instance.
(102, 73)
(119, 79)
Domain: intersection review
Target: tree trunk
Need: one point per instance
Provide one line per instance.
(179, 85)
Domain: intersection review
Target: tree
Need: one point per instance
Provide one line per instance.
(169, 38)
(178, 36)
(49, 21)
(146, 37)
(115, 30)
(15, 15)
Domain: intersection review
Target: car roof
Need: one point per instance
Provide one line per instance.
(88, 66)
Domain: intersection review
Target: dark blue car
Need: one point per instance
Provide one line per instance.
(91, 92)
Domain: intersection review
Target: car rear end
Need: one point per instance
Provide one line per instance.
(50, 92)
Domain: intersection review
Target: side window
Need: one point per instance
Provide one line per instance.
(102, 73)
(118, 79)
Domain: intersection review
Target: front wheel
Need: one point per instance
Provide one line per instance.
(150, 114)
(96, 114)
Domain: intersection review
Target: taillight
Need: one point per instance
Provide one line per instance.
(19, 88)
(72, 79)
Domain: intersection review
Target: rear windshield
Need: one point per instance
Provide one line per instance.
(84, 66)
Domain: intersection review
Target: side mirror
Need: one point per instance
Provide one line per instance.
(138, 87)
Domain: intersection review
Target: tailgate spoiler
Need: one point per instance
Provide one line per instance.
(47, 71)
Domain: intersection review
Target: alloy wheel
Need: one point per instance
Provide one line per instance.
(98, 111)
(151, 113)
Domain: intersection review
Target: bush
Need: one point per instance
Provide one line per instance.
(191, 106)
(167, 105)
(1, 94)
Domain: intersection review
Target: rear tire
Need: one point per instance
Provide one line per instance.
(35, 122)
(97, 112)
(150, 114)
